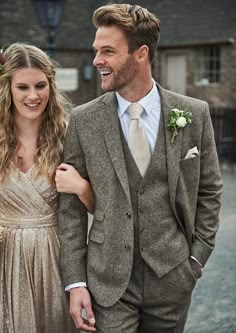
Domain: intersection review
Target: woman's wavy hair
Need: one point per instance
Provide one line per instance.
(55, 117)
(139, 25)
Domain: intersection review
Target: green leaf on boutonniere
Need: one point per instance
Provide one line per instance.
(178, 119)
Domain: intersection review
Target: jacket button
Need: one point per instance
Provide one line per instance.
(128, 215)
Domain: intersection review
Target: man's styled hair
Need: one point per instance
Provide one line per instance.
(139, 25)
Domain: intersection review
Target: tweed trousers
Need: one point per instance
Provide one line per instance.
(149, 304)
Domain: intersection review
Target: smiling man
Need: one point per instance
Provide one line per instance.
(157, 185)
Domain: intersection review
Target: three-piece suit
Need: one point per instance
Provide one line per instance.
(161, 219)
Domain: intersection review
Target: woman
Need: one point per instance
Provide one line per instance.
(33, 125)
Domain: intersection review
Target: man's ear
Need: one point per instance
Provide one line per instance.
(142, 53)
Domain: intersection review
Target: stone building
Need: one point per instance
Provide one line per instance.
(197, 49)
(73, 39)
(196, 54)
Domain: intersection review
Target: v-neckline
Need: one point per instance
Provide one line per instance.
(22, 172)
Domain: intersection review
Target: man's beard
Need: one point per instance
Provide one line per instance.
(123, 77)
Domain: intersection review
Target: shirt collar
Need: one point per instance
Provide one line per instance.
(147, 101)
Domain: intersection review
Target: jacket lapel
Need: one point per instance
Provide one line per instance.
(113, 140)
(173, 150)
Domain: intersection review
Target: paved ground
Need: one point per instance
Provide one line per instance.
(213, 308)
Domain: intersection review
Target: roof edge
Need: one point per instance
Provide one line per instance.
(228, 41)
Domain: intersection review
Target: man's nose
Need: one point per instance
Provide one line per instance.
(98, 60)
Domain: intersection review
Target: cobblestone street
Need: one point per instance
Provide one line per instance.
(213, 308)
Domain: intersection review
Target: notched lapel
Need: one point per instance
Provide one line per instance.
(173, 150)
(113, 141)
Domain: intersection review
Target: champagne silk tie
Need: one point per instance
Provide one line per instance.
(138, 142)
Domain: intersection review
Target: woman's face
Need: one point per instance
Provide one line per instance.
(30, 93)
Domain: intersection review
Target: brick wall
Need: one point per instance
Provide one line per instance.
(87, 89)
(222, 94)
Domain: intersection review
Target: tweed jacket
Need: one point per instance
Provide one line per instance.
(93, 146)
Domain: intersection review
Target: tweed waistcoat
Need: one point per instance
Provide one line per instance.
(147, 214)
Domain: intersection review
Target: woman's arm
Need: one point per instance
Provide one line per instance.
(68, 180)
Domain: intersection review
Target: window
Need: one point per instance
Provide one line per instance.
(207, 69)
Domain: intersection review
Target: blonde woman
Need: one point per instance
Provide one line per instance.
(33, 125)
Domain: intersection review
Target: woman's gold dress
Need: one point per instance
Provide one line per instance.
(32, 298)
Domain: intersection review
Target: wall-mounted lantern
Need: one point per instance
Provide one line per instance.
(49, 13)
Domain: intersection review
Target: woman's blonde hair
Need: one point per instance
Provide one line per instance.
(53, 127)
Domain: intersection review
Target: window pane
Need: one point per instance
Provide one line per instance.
(207, 68)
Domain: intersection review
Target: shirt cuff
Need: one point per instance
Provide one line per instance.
(75, 285)
(196, 260)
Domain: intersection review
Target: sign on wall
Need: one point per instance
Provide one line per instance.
(67, 79)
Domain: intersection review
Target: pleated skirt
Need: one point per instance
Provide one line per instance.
(32, 297)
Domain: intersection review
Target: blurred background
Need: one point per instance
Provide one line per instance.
(196, 57)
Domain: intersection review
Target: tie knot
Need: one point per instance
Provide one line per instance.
(135, 110)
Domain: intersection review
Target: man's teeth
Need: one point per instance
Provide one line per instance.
(105, 72)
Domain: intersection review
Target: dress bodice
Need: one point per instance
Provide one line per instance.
(25, 200)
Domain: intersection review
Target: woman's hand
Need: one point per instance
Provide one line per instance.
(69, 180)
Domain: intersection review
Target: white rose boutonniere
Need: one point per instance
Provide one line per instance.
(178, 119)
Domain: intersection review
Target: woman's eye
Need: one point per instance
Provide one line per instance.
(41, 86)
(22, 87)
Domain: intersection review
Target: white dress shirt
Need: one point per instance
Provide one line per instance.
(149, 119)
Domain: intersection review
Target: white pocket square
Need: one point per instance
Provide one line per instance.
(191, 153)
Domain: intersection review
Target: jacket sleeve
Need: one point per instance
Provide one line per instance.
(72, 216)
(208, 201)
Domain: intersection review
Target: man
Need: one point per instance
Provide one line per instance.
(156, 215)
